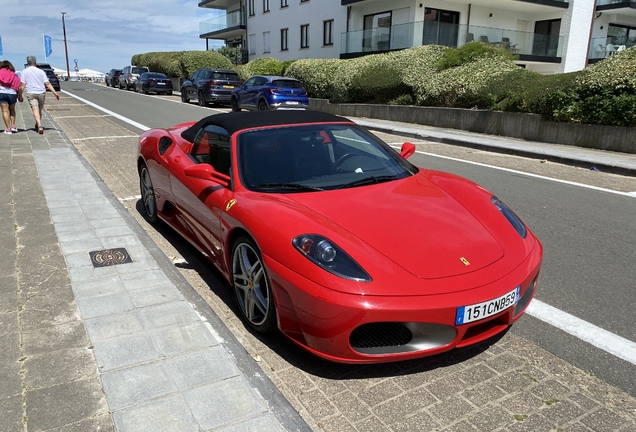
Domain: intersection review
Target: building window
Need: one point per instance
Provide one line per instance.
(327, 32)
(284, 33)
(265, 6)
(304, 36)
(377, 32)
(283, 4)
(250, 7)
(252, 44)
(266, 47)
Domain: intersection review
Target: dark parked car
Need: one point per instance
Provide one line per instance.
(112, 77)
(270, 92)
(210, 86)
(154, 82)
(53, 79)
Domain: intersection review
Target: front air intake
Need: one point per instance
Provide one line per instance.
(380, 335)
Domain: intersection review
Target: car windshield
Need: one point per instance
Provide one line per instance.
(50, 73)
(316, 157)
(139, 70)
(287, 83)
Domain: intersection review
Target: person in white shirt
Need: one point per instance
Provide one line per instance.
(36, 83)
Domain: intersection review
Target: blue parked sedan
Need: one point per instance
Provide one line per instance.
(270, 92)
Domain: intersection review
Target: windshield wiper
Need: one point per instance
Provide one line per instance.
(287, 186)
(369, 180)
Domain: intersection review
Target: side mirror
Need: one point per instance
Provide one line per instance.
(207, 172)
(407, 150)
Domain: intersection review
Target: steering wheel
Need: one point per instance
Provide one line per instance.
(341, 159)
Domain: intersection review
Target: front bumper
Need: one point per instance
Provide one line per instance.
(351, 328)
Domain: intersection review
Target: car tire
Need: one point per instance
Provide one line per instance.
(184, 97)
(251, 286)
(234, 104)
(169, 93)
(262, 105)
(148, 199)
(201, 99)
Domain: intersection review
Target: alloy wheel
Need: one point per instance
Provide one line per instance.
(148, 194)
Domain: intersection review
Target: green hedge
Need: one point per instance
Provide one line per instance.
(474, 75)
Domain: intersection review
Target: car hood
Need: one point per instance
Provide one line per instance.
(412, 222)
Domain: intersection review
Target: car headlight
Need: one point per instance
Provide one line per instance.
(330, 257)
(511, 216)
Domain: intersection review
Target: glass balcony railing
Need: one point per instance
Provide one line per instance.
(609, 2)
(454, 35)
(233, 19)
(604, 47)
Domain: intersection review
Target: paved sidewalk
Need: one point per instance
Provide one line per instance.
(99, 330)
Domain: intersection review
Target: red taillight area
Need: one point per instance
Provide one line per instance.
(151, 81)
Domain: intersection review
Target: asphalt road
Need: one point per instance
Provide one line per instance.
(589, 236)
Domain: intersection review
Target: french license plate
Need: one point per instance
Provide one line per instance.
(479, 311)
(292, 102)
(161, 83)
(226, 86)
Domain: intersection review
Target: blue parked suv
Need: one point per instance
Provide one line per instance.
(270, 92)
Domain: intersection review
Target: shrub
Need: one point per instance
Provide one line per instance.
(234, 54)
(374, 78)
(471, 52)
(260, 66)
(405, 99)
(316, 75)
(193, 60)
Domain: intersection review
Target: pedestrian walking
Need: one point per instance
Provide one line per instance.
(36, 83)
(10, 92)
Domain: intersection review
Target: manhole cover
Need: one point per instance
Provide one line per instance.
(109, 257)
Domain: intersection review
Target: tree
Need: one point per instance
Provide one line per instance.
(235, 54)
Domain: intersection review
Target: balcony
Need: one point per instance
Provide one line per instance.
(220, 4)
(615, 4)
(529, 46)
(603, 47)
(222, 25)
(553, 3)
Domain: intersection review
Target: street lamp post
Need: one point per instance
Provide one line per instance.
(68, 69)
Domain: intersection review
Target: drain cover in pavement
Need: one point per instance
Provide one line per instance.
(109, 257)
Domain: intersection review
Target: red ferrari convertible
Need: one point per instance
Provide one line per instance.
(329, 235)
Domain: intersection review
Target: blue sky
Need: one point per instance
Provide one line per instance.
(102, 34)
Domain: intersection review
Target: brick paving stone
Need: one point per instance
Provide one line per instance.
(533, 423)
(483, 393)
(583, 401)
(350, 406)
(522, 403)
(12, 412)
(512, 382)
(551, 389)
(504, 362)
(562, 412)
(476, 374)
(532, 373)
(490, 418)
(445, 388)
(330, 387)
(296, 381)
(603, 420)
(317, 405)
(577, 427)
(452, 409)
(370, 424)
(418, 422)
(336, 424)
(462, 426)
(378, 393)
(406, 404)
(99, 423)
(69, 365)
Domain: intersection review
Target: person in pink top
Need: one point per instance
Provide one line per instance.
(10, 92)
(36, 82)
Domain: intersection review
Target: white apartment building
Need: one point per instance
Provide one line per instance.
(549, 36)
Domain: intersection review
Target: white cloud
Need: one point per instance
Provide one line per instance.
(101, 35)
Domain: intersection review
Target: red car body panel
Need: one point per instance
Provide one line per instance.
(408, 234)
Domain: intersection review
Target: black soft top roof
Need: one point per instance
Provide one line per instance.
(237, 121)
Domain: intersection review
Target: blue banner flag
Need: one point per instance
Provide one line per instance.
(48, 49)
(0, 45)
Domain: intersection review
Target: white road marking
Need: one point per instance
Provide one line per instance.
(628, 194)
(583, 330)
(130, 198)
(608, 342)
(114, 114)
